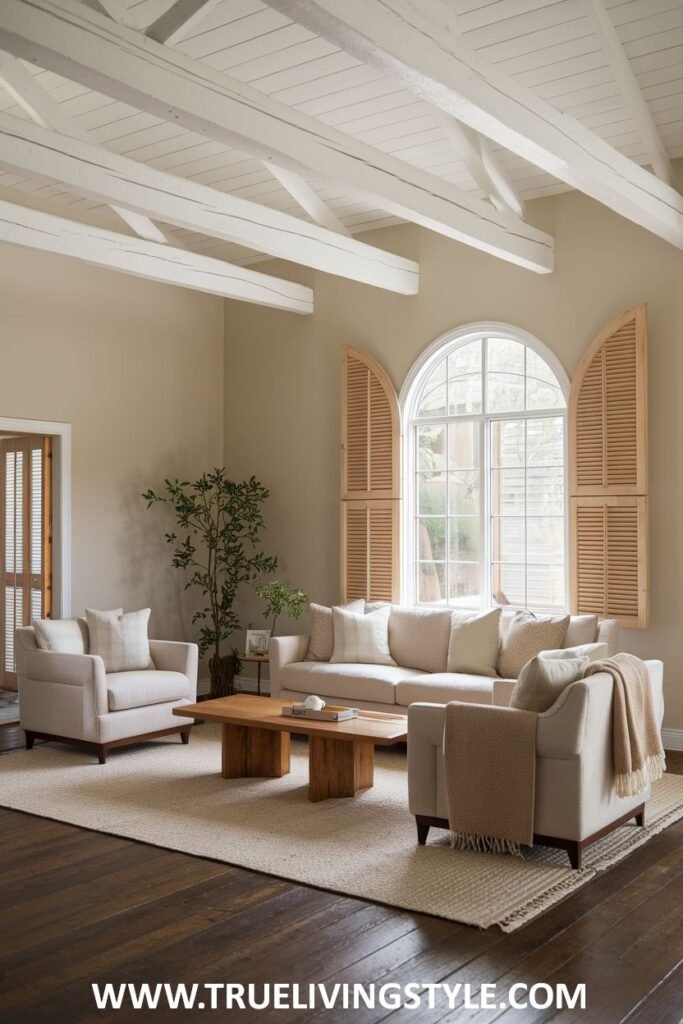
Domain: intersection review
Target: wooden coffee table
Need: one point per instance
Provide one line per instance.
(256, 743)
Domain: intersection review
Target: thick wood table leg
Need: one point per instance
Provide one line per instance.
(338, 767)
(254, 753)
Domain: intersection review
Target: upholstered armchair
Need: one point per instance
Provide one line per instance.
(70, 697)
(575, 803)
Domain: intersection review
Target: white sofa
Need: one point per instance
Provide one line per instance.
(416, 635)
(70, 697)
(575, 802)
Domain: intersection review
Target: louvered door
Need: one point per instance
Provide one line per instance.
(608, 474)
(25, 540)
(370, 486)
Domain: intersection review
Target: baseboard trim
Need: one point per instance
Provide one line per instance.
(247, 684)
(672, 739)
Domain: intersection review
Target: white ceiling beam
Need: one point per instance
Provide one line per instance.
(630, 89)
(20, 225)
(181, 17)
(115, 9)
(89, 170)
(170, 28)
(403, 39)
(488, 175)
(67, 38)
(307, 198)
(39, 105)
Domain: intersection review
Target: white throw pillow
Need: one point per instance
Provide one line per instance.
(474, 643)
(61, 636)
(361, 638)
(120, 639)
(543, 679)
(321, 642)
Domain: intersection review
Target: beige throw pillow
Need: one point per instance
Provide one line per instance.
(474, 643)
(418, 638)
(61, 636)
(526, 637)
(321, 642)
(120, 639)
(543, 679)
(361, 638)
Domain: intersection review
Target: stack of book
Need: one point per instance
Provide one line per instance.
(329, 713)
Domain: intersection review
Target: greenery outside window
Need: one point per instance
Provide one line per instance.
(485, 477)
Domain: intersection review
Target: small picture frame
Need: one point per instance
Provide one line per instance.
(257, 643)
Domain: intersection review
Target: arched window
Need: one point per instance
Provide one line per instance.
(485, 472)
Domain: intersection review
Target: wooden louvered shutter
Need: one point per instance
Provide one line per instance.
(25, 540)
(608, 474)
(370, 486)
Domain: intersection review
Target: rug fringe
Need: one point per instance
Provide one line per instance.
(476, 843)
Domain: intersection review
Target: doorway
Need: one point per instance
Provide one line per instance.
(34, 529)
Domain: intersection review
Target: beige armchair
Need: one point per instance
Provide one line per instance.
(70, 697)
(575, 804)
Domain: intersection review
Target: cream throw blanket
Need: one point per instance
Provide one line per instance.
(636, 743)
(490, 763)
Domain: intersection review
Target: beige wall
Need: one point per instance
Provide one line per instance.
(282, 379)
(136, 368)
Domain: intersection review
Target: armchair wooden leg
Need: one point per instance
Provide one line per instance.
(575, 854)
(185, 736)
(640, 816)
(422, 829)
(102, 754)
(29, 740)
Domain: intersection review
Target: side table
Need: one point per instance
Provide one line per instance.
(259, 660)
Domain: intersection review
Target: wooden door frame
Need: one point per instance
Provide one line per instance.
(61, 503)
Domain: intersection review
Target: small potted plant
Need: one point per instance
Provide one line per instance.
(280, 599)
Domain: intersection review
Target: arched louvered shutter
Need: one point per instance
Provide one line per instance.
(608, 474)
(370, 485)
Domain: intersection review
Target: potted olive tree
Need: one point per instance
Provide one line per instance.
(219, 522)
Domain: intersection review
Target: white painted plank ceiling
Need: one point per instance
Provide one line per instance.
(548, 45)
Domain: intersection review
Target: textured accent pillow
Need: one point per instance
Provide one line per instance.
(120, 639)
(582, 629)
(594, 652)
(526, 637)
(361, 638)
(543, 679)
(474, 643)
(61, 636)
(321, 642)
(418, 638)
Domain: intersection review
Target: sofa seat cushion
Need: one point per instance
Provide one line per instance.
(442, 687)
(138, 689)
(346, 682)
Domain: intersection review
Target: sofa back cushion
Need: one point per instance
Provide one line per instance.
(475, 643)
(582, 629)
(418, 638)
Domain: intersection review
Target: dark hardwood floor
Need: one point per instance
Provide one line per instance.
(78, 907)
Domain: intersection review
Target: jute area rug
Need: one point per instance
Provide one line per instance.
(173, 796)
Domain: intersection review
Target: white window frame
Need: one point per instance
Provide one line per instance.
(409, 397)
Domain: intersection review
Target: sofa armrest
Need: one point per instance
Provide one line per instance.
(284, 650)
(61, 693)
(425, 752)
(172, 656)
